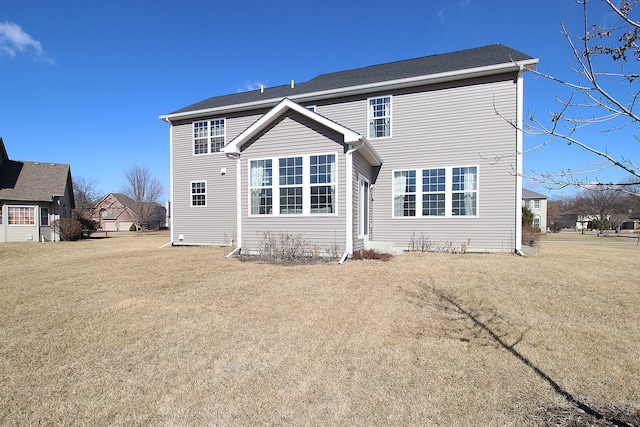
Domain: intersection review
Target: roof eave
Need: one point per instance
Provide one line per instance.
(468, 73)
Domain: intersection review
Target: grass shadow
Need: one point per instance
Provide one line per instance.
(500, 341)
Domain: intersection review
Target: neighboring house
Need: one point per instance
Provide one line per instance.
(369, 157)
(115, 212)
(537, 203)
(32, 196)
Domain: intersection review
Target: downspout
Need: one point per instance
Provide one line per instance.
(519, 158)
(238, 248)
(171, 204)
(349, 196)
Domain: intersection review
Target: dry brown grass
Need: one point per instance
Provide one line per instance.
(119, 331)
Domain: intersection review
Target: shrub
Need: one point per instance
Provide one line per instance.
(556, 226)
(89, 226)
(530, 235)
(133, 227)
(67, 228)
(371, 254)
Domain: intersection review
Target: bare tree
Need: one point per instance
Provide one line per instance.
(603, 99)
(606, 203)
(85, 195)
(144, 192)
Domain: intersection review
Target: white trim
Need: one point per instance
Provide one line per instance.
(519, 145)
(191, 194)
(238, 202)
(208, 136)
(350, 137)
(387, 85)
(364, 235)
(369, 118)
(171, 189)
(306, 186)
(448, 193)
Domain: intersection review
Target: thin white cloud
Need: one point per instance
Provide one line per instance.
(441, 15)
(250, 85)
(13, 41)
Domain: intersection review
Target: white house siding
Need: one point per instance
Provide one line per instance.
(215, 223)
(447, 125)
(294, 135)
(360, 168)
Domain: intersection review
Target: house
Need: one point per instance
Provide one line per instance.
(537, 203)
(116, 212)
(368, 157)
(32, 196)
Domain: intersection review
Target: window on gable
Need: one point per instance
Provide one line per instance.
(404, 193)
(464, 191)
(199, 193)
(44, 217)
(303, 185)
(290, 173)
(208, 136)
(261, 187)
(19, 215)
(380, 117)
(322, 171)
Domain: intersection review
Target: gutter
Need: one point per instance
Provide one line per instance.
(362, 89)
(166, 119)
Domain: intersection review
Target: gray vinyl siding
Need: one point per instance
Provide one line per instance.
(447, 125)
(360, 167)
(215, 223)
(289, 136)
(451, 127)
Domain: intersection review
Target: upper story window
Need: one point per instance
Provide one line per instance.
(199, 193)
(208, 136)
(380, 117)
(445, 192)
(302, 185)
(19, 215)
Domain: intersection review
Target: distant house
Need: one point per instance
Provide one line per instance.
(115, 212)
(32, 196)
(364, 158)
(537, 203)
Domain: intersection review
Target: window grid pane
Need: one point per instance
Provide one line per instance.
(291, 200)
(464, 186)
(404, 188)
(322, 199)
(380, 117)
(198, 194)
(433, 187)
(22, 216)
(261, 180)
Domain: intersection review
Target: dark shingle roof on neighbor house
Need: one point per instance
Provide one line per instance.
(528, 194)
(31, 181)
(428, 65)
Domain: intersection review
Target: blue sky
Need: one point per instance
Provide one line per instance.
(84, 82)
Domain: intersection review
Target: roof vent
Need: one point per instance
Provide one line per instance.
(36, 163)
(261, 88)
(293, 84)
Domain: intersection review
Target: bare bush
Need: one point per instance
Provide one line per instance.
(68, 229)
(294, 248)
(422, 243)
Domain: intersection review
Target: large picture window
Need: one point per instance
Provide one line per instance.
(19, 215)
(304, 185)
(208, 136)
(444, 192)
(380, 117)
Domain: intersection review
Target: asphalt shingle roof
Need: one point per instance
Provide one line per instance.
(424, 66)
(31, 181)
(528, 194)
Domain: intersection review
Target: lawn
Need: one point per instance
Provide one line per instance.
(121, 331)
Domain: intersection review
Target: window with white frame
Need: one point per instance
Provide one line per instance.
(536, 203)
(304, 185)
(44, 217)
(433, 192)
(208, 136)
(322, 171)
(199, 193)
(445, 192)
(380, 117)
(19, 215)
(536, 221)
(404, 193)
(464, 191)
(261, 187)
